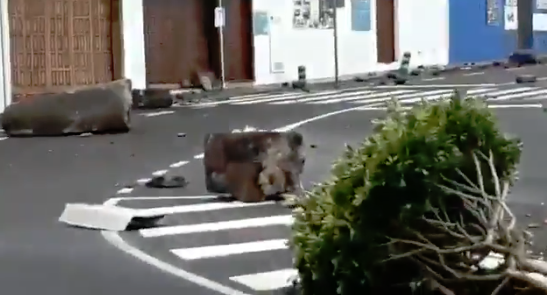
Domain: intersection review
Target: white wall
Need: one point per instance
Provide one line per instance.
(5, 64)
(421, 29)
(134, 62)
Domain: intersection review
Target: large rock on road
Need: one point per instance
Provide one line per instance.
(103, 108)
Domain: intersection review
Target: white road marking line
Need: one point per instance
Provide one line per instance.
(178, 164)
(267, 281)
(160, 172)
(295, 96)
(243, 98)
(217, 226)
(3, 138)
(384, 94)
(202, 207)
(114, 239)
(510, 91)
(515, 69)
(399, 97)
(125, 190)
(434, 79)
(323, 96)
(452, 86)
(200, 156)
(230, 249)
(155, 114)
(516, 106)
(473, 74)
(478, 91)
(114, 201)
(493, 106)
(525, 94)
(143, 180)
(433, 95)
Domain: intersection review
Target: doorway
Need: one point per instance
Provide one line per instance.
(385, 31)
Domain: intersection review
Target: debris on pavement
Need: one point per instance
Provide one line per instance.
(525, 79)
(167, 182)
(110, 218)
(234, 161)
(99, 108)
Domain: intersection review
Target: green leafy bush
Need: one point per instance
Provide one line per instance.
(340, 232)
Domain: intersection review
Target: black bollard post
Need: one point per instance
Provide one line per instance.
(301, 83)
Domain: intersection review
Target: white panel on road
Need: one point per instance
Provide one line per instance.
(519, 95)
(268, 281)
(103, 217)
(217, 226)
(230, 249)
(368, 97)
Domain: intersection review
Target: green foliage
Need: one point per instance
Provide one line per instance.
(391, 178)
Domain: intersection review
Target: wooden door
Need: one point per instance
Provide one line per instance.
(238, 40)
(385, 30)
(57, 44)
(175, 40)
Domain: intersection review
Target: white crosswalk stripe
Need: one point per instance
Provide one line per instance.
(230, 234)
(369, 95)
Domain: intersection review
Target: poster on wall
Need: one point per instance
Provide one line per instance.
(541, 4)
(492, 13)
(261, 23)
(360, 15)
(539, 22)
(510, 17)
(315, 14)
(277, 46)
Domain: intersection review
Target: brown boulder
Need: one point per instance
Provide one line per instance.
(98, 109)
(253, 165)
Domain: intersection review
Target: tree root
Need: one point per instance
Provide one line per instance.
(453, 247)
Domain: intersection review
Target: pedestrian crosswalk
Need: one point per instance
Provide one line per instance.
(375, 95)
(244, 245)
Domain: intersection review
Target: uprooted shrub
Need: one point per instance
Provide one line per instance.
(417, 206)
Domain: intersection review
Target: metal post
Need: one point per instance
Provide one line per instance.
(335, 29)
(221, 40)
(525, 35)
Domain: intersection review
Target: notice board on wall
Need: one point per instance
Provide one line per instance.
(360, 15)
(277, 48)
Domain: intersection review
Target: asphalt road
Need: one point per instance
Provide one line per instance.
(39, 175)
(236, 246)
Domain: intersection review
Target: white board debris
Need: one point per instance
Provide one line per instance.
(101, 217)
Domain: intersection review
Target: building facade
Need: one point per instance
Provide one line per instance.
(265, 41)
(487, 30)
(51, 45)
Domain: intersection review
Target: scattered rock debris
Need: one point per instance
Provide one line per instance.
(167, 182)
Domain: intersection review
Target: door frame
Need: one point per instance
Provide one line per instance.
(5, 57)
(116, 52)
